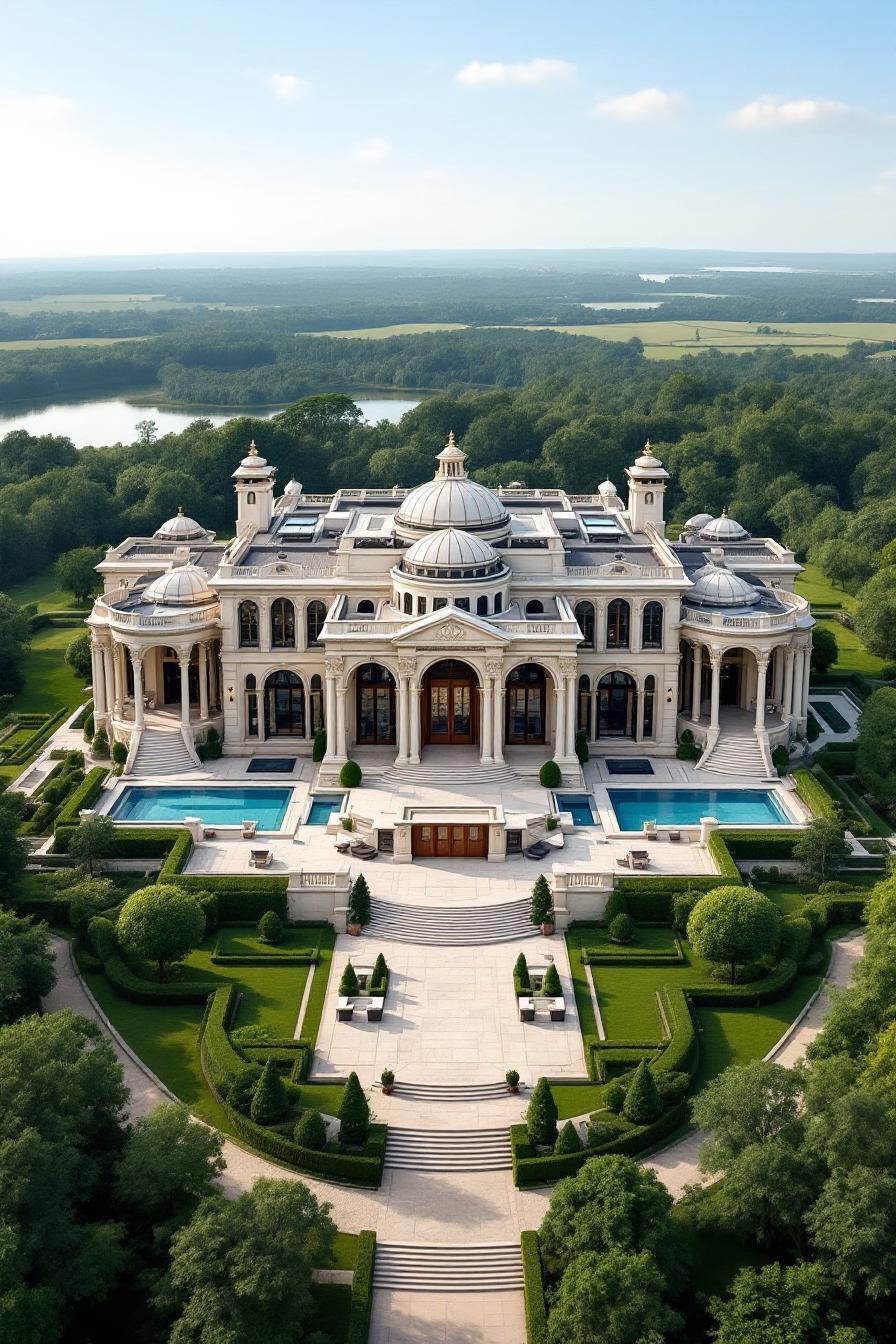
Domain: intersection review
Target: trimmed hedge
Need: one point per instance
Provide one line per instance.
(533, 1289)
(769, 844)
(635, 956)
(772, 986)
(85, 795)
(137, 990)
(135, 842)
(178, 854)
(720, 852)
(362, 1290)
(530, 1168)
(814, 794)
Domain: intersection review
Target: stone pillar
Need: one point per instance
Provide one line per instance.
(797, 694)
(498, 720)
(600, 625)
(340, 723)
(761, 668)
(137, 664)
(715, 658)
(108, 677)
(183, 658)
(778, 675)
(118, 672)
(405, 671)
(203, 680)
(787, 702)
(99, 681)
(213, 694)
(414, 757)
(330, 708)
(571, 714)
(697, 682)
(306, 691)
(807, 673)
(560, 720)
(487, 721)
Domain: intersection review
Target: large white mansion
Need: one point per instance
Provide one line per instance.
(451, 614)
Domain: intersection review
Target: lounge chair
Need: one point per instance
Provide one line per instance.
(640, 858)
(538, 850)
(249, 829)
(675, 837)
(361, 850)
(650, 831)
(259, 858)
(624, 860)
(343, 845)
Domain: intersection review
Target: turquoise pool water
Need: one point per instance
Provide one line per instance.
(215, 806)
(579, 805)
(322, 808)
(685, 807)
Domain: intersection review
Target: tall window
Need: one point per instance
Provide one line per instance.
(583, 718)
(283, 624)
(421, 606)
(617, 705)
(375, 704)
(535, 608)
(315, 616)
(617, 624)
(408, 605)
(584, 614)
(317, 704)
(652, 626)
(248, 625)
(251, 707)
(482, 606)
(525, 704)
(284, 705)
(649, 700)
(498, 603)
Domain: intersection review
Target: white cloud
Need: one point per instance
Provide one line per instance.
(374, 150)
(770, 113)
(539, 73)
(644, 105)
(288, 87)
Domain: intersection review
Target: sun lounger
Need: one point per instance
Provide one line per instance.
(361, 850)
(538, 850)
(249, 829)
(260, 858)
(640, 858)
(675, 837)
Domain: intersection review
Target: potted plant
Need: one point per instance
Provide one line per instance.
(352, 925)
(387, 1078)
(542, 910)
(512, 1079)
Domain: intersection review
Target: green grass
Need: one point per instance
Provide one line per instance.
(44, 590)
(246, 942)
(815, 586)
(325, 1097)
(735, 1035)
(332, 1310)
(346, 1250)
(50, 684)
(852, 656)
(577, 1098)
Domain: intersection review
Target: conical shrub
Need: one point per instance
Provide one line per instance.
(542, 907)
(348, 985)
(568, 1140)
(551, 982)
(521, 972)
(642, 1101)
(354, 1112)
(311, 1131)
(541, 1116)
(269, 1100)
(359, 902)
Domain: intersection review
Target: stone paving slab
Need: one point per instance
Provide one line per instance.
(447, 1318)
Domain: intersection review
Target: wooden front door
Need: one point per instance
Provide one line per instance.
(450, 705)
(449, 841)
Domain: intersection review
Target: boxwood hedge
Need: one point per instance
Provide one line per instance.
(533, 1289)
(531, 1168)
(362, 1290)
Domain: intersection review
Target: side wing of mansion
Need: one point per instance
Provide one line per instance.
(451, 615)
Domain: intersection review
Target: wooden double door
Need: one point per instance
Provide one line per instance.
(450, 705)
(449, 841)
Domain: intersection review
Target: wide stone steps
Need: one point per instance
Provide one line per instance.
(441, 1092)
(448, 1149)
(452, 926)
(162, 753)
(738, 755)
(484, 1268)
(442, 777)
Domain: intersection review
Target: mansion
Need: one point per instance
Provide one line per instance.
(450, 614)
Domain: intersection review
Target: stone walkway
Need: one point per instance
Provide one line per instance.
(430, 1207)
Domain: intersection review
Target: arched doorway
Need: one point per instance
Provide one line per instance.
(171, 678)
(617, 705)
(284, 705)
(375, 705)
(525, 706)
(731, 678)
(450, 704)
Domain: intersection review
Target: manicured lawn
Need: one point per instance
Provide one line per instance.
(246, 942)
(852, 656)
(50, 684)
(44, 590)
(737, 1035)
(577, 1098)
(815, 586)
(346, 1250)
(790, 896)
(831, 715)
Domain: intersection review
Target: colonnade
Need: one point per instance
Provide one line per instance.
(109, 678)
(790, 681)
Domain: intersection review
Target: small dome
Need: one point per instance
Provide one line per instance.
(254, 457)
(717, 586)
(450, 549)
(648, 458)
(723, 528)
(606, 488)
(180, 528)
(185, 586)
(292, 487)
(699, 520)
(451, 499)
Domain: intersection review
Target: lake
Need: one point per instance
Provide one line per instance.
(101, 422)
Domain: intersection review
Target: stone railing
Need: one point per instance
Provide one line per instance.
(362, 626)
(176, 621)
(561, 629)
(718, 620)
(283, 569)
(625, 569)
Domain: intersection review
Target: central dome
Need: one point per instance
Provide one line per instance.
(180, 528)
(185, 586)
(451, 549)
(717, 586)
(451, 499)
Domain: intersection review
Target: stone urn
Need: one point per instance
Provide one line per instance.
(547, 928)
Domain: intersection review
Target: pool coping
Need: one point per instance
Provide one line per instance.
(287, 825)
(785, 796)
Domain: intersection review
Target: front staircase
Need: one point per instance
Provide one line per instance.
(162, 751)
(485, 1268)
(450, 926)
(448, 1149)
(457, 778)
(440, 1092)
(737, 753)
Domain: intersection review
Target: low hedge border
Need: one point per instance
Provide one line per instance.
(85, 795)
(22, 754)
(533, 1289)
(137, 990)
(362, 1290)
(814, 794)
(531, 1168)
(635, 956)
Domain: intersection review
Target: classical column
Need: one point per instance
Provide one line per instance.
(778, 674)
(99, 680)
(414, 758)
(570, 703)
(487, 721)
(498, 716)
(787, 701)
(118, 674)
(108, 676)
(560, 720)
(137, 664)
(213, 675)
(405, 672)
(807, 673)
(715, 658)
(635, 628)
(183, 658)
(306, 692)
(600, 625)
(340, 722)
(761, 669)
(203, 680)
(697, 683)
(797, 695)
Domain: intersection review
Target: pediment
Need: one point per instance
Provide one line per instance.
(452, 626)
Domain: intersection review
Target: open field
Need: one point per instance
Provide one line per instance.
(44, 590)
(671, 340)
(816, 587)
(50, 341)
(399, 329)
(93, 303)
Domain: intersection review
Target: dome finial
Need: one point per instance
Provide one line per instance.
(252, 448)
(451, 443)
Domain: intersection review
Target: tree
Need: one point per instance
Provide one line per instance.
(76, 570)
(521, 972)
(161, 924)
(876, 745)
(568, 1140)
(541, 1116)
(777, 1304)
(93, 841)
(170, 1162)
(611, 1299)
(354, 1112)
(542, 907)
(89, 897)
(825, 650)
(875, 615)
(15, 637)
(270, 927)
(147, 433)
(642, 1101)
(734, 925)
(621, 928)
(269, 1101)
(550, 984)
(853, 1229)
(746, 1104)
(27, 966)
(311, 1130)
(13, 850)
(359, 903)
(766, 1192)
(77, 655)
(821, 848)
(348, 984)
(241, 1269)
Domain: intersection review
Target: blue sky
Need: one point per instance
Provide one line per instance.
(191, 126)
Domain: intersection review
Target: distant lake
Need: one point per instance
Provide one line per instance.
(633, 303)
(102, 422)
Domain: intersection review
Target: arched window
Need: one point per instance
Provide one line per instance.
(649, 701)
(284, 705)
(248, 625)
(421, 606)
(376, 705)
(583, 718)
(535, 608)
(652, 626)
(648, 498)
(283, 624)
(617, 703)
(482, 606)
(315, 616)
(408, 605)
(251, 706)
(584, 614)
(499, 602)
(525, 704)
(365, 607)
(250, 497)
(317, 704)
(617, 624)
(462, 603)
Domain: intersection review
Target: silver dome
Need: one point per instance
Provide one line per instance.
(451, 549)
(699, 520)
(185, 586)
(723, 528)
(180, 528)
(451, 499)
(717, 586)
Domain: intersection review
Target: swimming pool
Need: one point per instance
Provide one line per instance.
(579, 805)
(685, 807)
(214, 806)
(323, 805)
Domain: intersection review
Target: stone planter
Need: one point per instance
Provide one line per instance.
(353, 929)
(547, 928)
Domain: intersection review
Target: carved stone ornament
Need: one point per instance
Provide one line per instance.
(568, 667)
(334, 666)
(493, 667)
(451, 630)
(407, 667)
